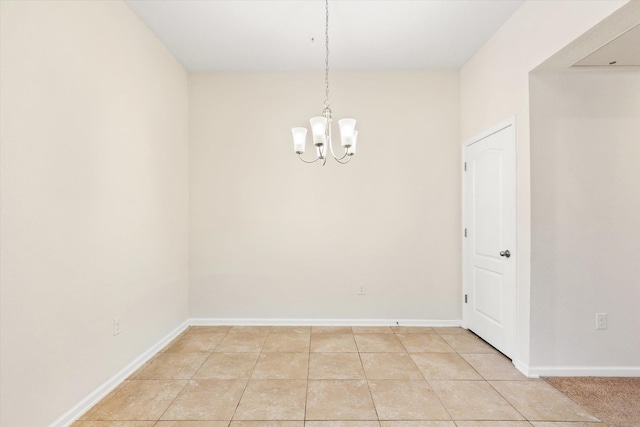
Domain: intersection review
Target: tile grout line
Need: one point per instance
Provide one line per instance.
(248, 381)
(547, 421)
(172, 400)
(306, 395)
(427, 381)
(366, 379)
(483, 379)
(188, 380)
(245, 385)
(508, 402)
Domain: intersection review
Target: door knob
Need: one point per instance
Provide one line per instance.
(505, 253)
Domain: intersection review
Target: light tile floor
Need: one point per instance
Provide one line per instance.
(223, 376)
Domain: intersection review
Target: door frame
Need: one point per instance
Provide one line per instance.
(511, 121)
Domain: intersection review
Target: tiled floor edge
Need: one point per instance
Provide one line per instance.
(105, 388)
(323, 322)
(584, 371)
(524, 369)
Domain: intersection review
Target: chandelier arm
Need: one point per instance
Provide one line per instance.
(346, 152)
(345, 162)
(307, 161)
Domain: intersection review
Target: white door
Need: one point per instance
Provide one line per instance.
(489, 238)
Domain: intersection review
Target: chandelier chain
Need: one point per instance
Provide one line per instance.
(326, 61)
(321, 125)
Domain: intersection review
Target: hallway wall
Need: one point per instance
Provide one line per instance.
(585, 219)
(494, 85)
(93, 207)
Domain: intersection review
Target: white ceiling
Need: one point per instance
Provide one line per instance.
(266, 35)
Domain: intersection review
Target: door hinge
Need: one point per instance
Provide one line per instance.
(465, 166)
(465, 232)
(465, 298)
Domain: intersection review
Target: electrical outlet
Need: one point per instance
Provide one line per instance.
(361, 290)
(601, 320)
(116, 326)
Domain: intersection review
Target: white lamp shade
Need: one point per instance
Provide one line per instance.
(352, 150)
(318, 127)
(347, 129)
(299, 139)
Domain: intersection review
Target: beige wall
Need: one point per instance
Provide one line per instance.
(94, 200)
(272, 237)
(494, 85)
(585, 198)
(95, 187)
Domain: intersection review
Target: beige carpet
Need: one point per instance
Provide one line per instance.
(616, 401)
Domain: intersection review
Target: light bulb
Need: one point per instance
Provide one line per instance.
(318, 127)
(347, 129)
(299, 139)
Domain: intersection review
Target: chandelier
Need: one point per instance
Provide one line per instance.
(321, 126)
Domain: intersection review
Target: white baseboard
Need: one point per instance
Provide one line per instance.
(96, 395)
(322, 322)
(576, 371)
(584, 371)
(524, 368)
